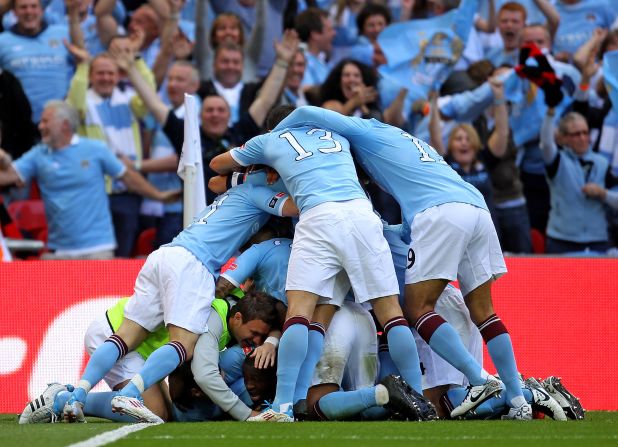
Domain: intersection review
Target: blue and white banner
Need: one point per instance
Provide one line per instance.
(421, 53)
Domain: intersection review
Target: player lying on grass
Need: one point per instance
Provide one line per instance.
(175, 288)
(247, 322)
(253, 387)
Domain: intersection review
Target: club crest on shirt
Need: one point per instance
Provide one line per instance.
(590, 17)
(85, 164)
(54, 43)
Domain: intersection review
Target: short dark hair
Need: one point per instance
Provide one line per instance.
(372, 9)
(257, 306)
(276, 115)
(309, 20)
(265, 377)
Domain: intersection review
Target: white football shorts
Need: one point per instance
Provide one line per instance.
(338, 244)
(125, 368)
(350, 354)
(173, 287)
(455, 241)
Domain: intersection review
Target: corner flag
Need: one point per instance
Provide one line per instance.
(190, 167)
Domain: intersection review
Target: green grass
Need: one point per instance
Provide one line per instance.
(599, 429)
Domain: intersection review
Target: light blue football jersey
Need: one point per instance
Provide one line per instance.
(406, 167)
(258, 177)
(267, 263)
(232, 218)
(72, 183)
(41, 63)
(315, 164)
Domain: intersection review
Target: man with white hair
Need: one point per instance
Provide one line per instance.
(70, 172)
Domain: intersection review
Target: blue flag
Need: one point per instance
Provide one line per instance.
(610, 76)
(421, 53)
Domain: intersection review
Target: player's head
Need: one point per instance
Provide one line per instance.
(184, 391)
(260, 383)
(252, 318)
(276, 115)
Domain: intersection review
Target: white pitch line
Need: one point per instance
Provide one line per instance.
(112, 436)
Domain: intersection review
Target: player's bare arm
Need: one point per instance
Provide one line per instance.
(224, 164)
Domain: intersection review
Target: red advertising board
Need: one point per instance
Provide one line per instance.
(562, 315)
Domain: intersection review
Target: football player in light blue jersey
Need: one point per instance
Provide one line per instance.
(267, 264)
(220, 229)
(338, 242)
(176, 287)
(406, 167)
(316, 165)
(453, 237)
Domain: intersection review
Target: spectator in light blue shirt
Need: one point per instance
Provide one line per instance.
(70, 172)
(371, 20)
(316, 30)
(34, 51)
(511, 22)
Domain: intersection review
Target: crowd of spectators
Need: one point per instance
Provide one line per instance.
(122, 67)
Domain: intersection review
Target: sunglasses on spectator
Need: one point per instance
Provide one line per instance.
(579, 133)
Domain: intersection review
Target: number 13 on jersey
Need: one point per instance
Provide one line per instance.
(303, 153)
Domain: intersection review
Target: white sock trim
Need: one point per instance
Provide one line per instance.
(518, 401)
(283, 408)
(138, 381)
(381, 394)
(84, 384)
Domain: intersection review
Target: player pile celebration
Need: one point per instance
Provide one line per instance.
(326, 312)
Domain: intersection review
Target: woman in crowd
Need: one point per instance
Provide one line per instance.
(351, 89)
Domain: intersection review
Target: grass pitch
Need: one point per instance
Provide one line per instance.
(598, 429)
